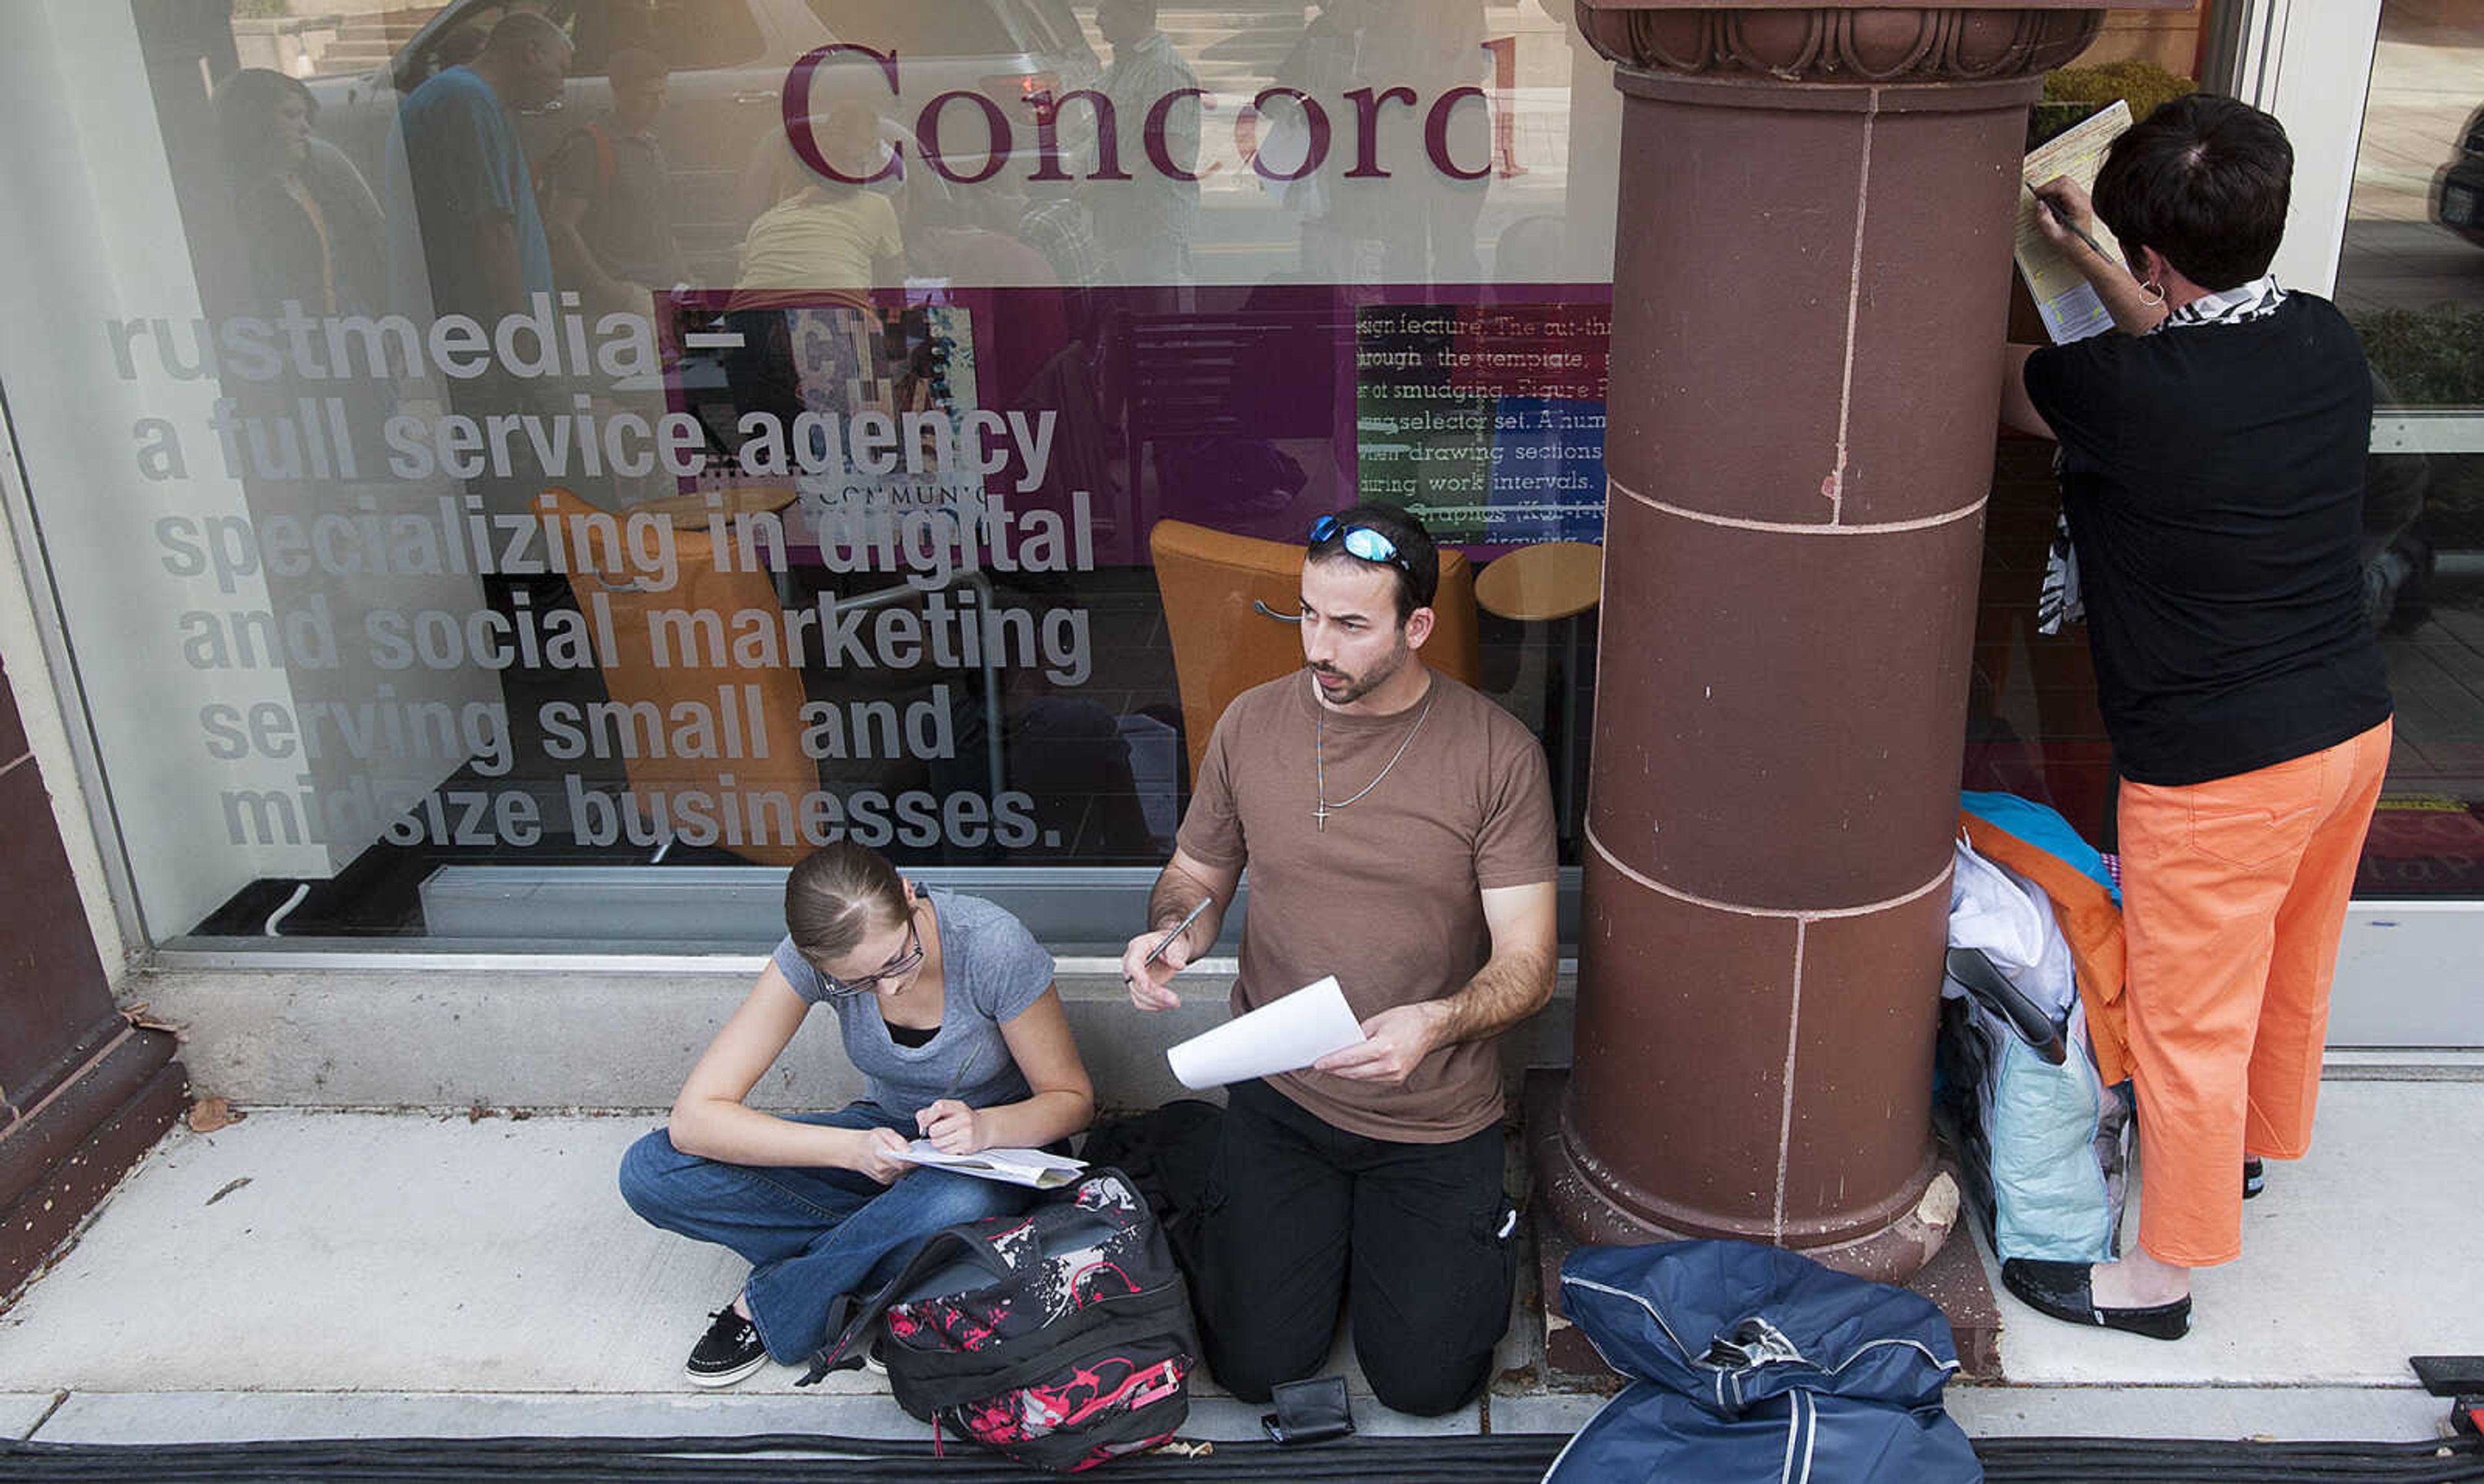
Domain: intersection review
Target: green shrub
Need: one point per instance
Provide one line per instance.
(2073, 92)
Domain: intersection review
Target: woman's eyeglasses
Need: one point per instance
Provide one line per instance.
(1359, 541)
(904, 962)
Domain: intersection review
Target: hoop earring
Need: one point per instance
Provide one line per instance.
(2151, 295)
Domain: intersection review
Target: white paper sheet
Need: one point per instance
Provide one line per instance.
(1016, 1166)
(2064, 297)
(1285, 1034)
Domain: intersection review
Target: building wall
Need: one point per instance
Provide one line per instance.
(2170, 38)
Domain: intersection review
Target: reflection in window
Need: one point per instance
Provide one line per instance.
(921, 28)
(2411, 279)
(648, 563)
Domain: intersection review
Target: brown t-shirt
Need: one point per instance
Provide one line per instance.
(1387, 896)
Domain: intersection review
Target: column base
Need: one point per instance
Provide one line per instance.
(1892, 1251)
(1951, 1274)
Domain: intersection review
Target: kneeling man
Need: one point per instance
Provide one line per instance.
(1398, 831)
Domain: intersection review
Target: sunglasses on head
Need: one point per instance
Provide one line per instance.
(1361, 541)
(903, 963)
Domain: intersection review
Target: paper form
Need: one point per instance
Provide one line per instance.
(1016, 1166)
(2062, 295)
(1285, 1034)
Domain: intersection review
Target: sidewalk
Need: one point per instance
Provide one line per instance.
(306, 1274)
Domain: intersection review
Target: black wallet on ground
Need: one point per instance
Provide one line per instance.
(1309, 1411)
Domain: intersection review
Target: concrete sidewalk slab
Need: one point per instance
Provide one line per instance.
(1545, 1412)
(211, 1417)
(2297, 1413)
(20, 1411)
(2361, 1254)
(2282, 1414)
(306, 1254)
(224, 1417)
(324, 1251)
(330, 1274)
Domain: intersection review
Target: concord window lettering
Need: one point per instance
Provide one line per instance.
(1359, 112)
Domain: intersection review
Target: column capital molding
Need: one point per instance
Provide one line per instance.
(1843, 44)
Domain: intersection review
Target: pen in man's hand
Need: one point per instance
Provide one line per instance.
(1165, 942)
(2054, 209)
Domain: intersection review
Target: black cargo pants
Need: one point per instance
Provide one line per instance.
(1303, 1217)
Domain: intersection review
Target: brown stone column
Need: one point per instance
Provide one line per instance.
(1810, 286)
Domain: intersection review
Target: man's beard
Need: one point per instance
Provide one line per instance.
(1359, 686)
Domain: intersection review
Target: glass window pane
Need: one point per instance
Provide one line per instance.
(2412, 277)
(924, 28)
(539, 525)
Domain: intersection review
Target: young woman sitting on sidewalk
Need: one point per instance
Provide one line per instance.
(946, 1005)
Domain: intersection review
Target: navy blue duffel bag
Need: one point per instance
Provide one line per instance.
(1750, 1362)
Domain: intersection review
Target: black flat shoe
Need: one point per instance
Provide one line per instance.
(2254, 1178)
(2059, 1289)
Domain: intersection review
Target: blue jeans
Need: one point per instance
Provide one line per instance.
(809, 1233)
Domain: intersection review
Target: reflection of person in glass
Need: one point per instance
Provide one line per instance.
(609, 206)
(309, 228)
(1429, 227)
(945, 1005)
(1147, 222)
(1416, 221)
(310, 222)
(1398, 828)
(828, 234)
(457, 172)
(1057, 224)
(2212, 462)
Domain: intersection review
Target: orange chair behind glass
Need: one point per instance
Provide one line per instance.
(1231, 602)
(771, 762)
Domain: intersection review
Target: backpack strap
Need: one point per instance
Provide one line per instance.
(850, 1318)
(1007, 1247)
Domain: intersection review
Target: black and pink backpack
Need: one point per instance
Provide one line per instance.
(1061, 1337)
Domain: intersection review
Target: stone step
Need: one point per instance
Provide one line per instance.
(368, 40)
(353, 58)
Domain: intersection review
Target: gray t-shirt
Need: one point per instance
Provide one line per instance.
(991, 970)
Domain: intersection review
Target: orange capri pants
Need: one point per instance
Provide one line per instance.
(2233, 895)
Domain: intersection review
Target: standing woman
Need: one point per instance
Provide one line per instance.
(946, 1005)
(2212, 474)
(309, 228)
(309, 221)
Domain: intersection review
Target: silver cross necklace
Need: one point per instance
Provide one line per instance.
(1320, 757)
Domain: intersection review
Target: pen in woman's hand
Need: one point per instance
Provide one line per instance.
(2053, 208)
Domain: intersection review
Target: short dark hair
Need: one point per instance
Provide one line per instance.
(246, 106)
(837, 894)
(1418, 562)
(520, 29)
(2204, 181)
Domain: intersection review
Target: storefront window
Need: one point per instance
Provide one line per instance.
(507, 492)
(2411, 279)
(556, 461)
